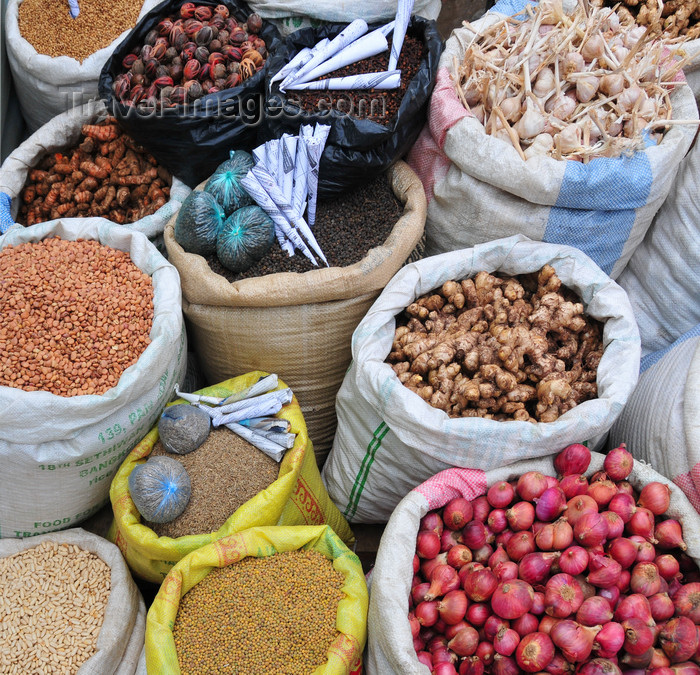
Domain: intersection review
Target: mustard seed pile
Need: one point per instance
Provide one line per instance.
(260, 615)
(225, 472)
(74, 315)
(52, 605)
(48, 26)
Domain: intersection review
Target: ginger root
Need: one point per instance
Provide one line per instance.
(499, 348)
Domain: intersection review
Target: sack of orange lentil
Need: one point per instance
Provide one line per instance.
(55, 59)
(92, 342)
(269, 599)
(234, 487)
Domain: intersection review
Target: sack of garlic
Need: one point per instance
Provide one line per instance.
(566, 127)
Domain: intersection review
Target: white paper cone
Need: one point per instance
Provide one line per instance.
(272, 189)
(313, 145)
(388, 28)
(368, 45)
(403, 16)
(296, 62)
(264, 201)
(288, 151)
(300, 187)
(270, 448)
(272, 149)
(259, 154)
(385, 80)
(349, 34)
(308, 53)
(321, 131)
(262, 386)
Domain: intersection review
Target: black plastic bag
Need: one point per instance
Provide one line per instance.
(198, 223)
(225, 183)
(357, 149)
(192, 139)
(244, 238)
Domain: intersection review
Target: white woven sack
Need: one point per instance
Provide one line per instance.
(58, 454)
(62, 132)
(666, 265)
(122, 634)
(661, 421)
(389, 440)
(46, 86)
(390, 645)
(479, 189)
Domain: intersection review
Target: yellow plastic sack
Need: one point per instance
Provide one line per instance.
(297, 497)
(344, 655)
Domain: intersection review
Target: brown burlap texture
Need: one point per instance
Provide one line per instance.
(296, 325)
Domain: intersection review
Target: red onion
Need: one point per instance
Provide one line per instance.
(563, 596)
(634, 606)
(623, 504)
(593, 611)
(574, 560)
(572, 459)
(669, 534)
(679, 639)
(686, 668)
(498, 556)
(579, 506)
(550, 504)
(453, 606)
(452, 629)
(427, 612)
(474, 534)
(444, 668)
(645, 579)
(418, 592)
(472, 665)
(512, 599)
(537, 603)
(519, 545)
(527, 623)
(656, 497)
(616, 525)
(612, 595)
(480, 584)
(486, 652)
(609, 640)
(668, 565)
(448, 539)
(497, 521)
(459, 555)
(416, 563)
(483, 554)
(535, 652)
(506, 570)
(638, 636)
(534, 567)
(531, 485)
(481, 508)
(493, 625)
(551, 481)
(633, 661)
(618, 463)
(662, 607)
(477, 613)
(555, 536)
(505, 641)
(465, 642)
(587, 589)
(645, 549)
(427, 566)
(659, 659)
(547, 623)
(642, 524)
(591, 529)
(427, 544)
(443, 579)
(574, 640)
(457, 513)
(687, 601)
(502, 538)
(504, 665)
(599, 667)
(425, 658)
(626, 487)
(559, 665)
(431, 522)
(623, 550)
(520, 516)
(500, 494)
(604, 571)
(573, 485)
(623, 582)
(602, 491)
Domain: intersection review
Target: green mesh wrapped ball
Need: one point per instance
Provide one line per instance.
(160, 489)
(244, 238)
(198, 223)
(225, 183)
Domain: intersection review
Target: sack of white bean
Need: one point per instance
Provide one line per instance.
(481, 187)
(78, 573)
(92, 343)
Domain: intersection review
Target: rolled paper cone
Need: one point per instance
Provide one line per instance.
(254, 188)
(260, 154)
(270, 448)
(196, 398)
(403, 16)
(284, 396)
(268, 424)
(314, 149)
(368, 45)
(283, 439)
(308, 55)
(386, 80)
(262, 386)
(73, 8)
(300, 179)
(258, 410)
(296, 62)
(288, 151)
(321, 131)
(275, 193)
(388, 28)
(349, 34)
(271, 156)
(284, 243)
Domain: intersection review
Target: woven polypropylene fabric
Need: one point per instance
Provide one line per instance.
(6, 221)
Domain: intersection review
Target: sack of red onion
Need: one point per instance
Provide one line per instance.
(472, 400)
(586, 562)
(507, 162)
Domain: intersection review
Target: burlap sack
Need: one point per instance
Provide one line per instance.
(296, 325)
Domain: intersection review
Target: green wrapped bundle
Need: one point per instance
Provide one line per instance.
(244, 238)
(198, 223)
(225, 183)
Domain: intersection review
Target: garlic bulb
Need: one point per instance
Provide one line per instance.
(634, 126)
(541, 145)
(586, 87)
(573, 62)
(612, 84)
(510, 107)
(611, 23)
(593, 48)
(632, 36)
(478, 112)
(569, 138)
(471, 96)
(562, 106)
(531, 123)
(628, 97)
(544, 84)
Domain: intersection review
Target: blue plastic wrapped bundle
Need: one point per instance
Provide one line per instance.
(160, 489)
(225, 183)
(244, 238)
(198, 223)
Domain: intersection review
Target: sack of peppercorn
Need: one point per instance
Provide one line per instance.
(187, 82)
(291, 599)
(431, 394)
(295, 497)
(56, 60)
(81, 164)
(390, 642)
(480, 187)
(370, 130)
(86, 367)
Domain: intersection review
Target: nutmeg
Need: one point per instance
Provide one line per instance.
(218, 71)
(193, 89)
(151, 66)
(188, 51)
(203, 13)
(151, 36)
(204, 36)
(187, 10)
(221, 10)
(255, 57)
(201, 54)
(128, 61)
(254, 23)
(215, 46)
(170, 54)
(191, 69)
(162, 71)
(238, 36)
(192, 27)
(164, 27)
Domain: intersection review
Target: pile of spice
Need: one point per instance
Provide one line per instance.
(346, 228)
(265, 615)
(48, 26)
(105, 174)
(378, 106)
(225, 472)
(52, 603)
(74, 315)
